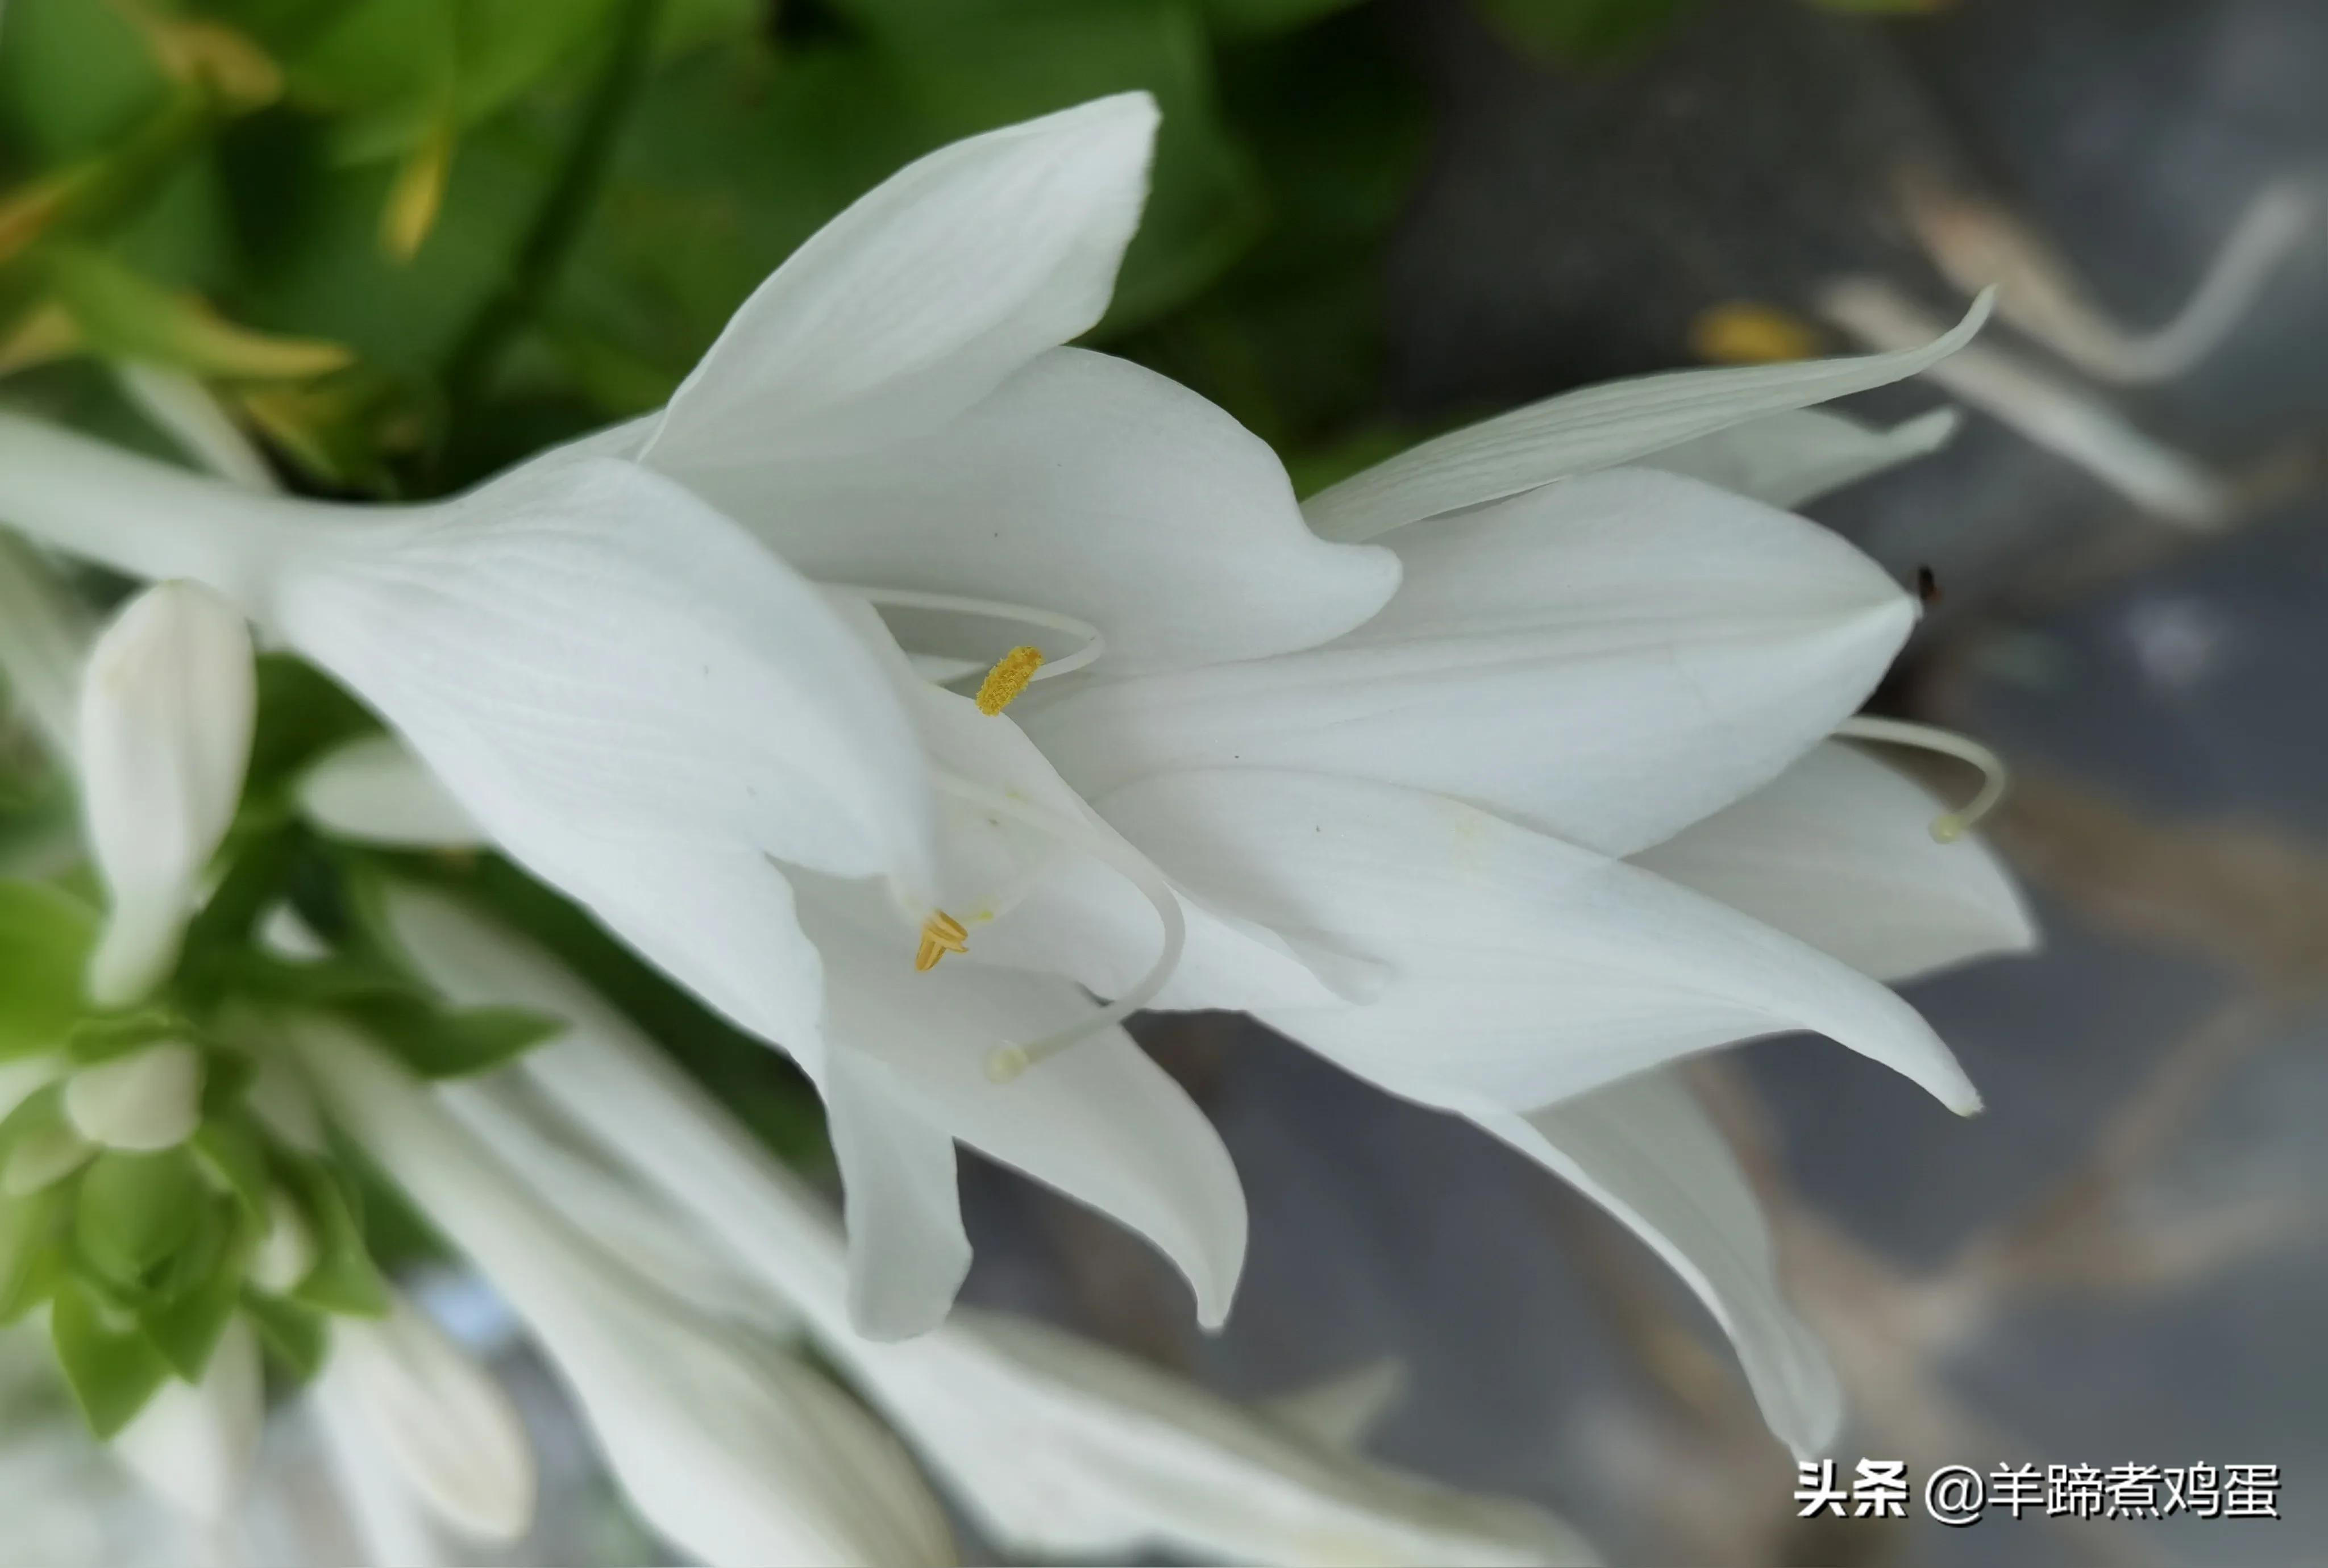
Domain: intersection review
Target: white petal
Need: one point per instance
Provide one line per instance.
(1608, 659)
(189, 412)
(1085, 485)
(147, 1099)
(286, 1252)
(1789, 460)
(443, 1421)
(166, 711)
(1644, 1150)
(632, 697)
(924, 294)
(1525, 970)
(1100, 1121)
(1063, 1448)
(1597, 427)
(384, 1516)
(907, 1252)
(373, 790)
(45, 632)
(193, 1443)
(1837, 850)
(735, 1458)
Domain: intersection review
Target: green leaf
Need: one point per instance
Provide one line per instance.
(101, 1040)
(297, 1335)
(124, 314)
(132, 1211)
(440, 1043)
(112, 1368)
(1265, 18)
(186, 1327)
(30, 1255)
(45, 937)
(231, 1155)
(345, 1277)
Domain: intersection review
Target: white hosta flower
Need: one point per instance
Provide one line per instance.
(1057, 1447)
(149, 1099)
(193, 1442)
(734, 1457)
(441, 1422)
(166, 708)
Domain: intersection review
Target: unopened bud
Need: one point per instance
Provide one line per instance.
(150, 1099)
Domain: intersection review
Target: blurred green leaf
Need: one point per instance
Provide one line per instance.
(297, 1335)
(344, 1279)
(186, 1326)
(437, 1042)
(132, 1211)
(31, 1228)
(112, 1368)
(45, 937)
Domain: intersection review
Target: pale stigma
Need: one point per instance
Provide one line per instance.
(1950, 826)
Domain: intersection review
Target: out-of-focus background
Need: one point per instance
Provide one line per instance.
(1371, 219)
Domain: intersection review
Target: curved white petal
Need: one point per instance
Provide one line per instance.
(1599, 427)
(147, 1099)
(736, 1458)
(1791, 459)
(373, 790)
(1057, 1447)
(1085, 485)
(1100, 1122)
(1061, 1448)
(923, 294)
(1607, 660)
(1838, 850)
(907, 1252)
(1523, 969)
(193, 1443)
(1645, 1151)
(442, 1421)
(640, 705)
(166, 711)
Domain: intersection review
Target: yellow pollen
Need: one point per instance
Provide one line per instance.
(1008, 679)
(941, 933)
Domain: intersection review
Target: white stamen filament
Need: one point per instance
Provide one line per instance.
(1009, 1060)
(1092, 647)
(1950, 826)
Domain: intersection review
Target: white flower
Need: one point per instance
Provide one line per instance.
(166, 708)
(193, 1442)
(439, 1421)
(734, 1457)
(1056, 1446)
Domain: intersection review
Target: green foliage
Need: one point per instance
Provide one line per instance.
(45, 938)
(110, 1365)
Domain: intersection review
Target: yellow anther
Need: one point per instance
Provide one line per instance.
(1008, 679)
(941, 933)
(1744, 331)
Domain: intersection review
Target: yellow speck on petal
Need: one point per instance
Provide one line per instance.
(941, 933)
(1008, 679)
(1744, 331)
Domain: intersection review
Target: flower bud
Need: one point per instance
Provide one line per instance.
(167, 709)
(442, 1420)
(150, 1099)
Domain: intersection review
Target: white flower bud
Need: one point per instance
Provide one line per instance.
(150, 1099)
(167, 709)
(289, 1251)
(193, 1442)
(442, 1420)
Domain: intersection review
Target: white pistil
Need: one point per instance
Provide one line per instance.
(1953, 825)
(1008, 1061)
(1089, 646)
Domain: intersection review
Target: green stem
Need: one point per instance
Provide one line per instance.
(563, 211)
